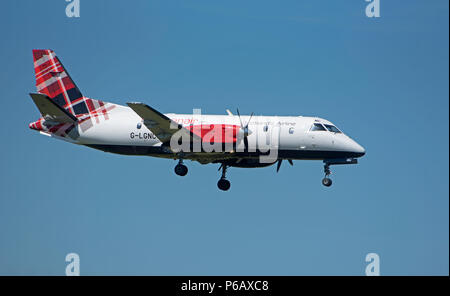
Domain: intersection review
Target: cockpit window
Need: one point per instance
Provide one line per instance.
(332, 128)
(317, 127)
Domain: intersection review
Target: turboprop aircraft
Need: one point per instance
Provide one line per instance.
(230, 140)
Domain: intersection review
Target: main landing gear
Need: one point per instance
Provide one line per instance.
(223, 183)
(326, 181)
(180, 168)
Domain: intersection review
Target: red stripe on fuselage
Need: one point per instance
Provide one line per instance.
(216, 133)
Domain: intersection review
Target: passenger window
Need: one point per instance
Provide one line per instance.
(317, 127)
(332, 128)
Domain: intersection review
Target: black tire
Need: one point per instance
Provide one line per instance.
(181, 170)
(327, 182)
(224, 184)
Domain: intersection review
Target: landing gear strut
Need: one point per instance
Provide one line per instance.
(223, 183)
(326, 168)
(327, 181)
(180, 168)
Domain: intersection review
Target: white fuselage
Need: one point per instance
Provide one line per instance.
(124, 133)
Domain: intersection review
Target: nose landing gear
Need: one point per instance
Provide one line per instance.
(223, 183)
(327, 181)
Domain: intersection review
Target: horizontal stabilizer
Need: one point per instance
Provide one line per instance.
(51, 111)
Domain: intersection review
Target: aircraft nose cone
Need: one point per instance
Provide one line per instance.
(358, 149)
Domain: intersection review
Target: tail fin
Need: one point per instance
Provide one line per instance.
(60, 101)
(54, 81)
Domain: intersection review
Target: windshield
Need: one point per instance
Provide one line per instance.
(332, 128)
(317, 127)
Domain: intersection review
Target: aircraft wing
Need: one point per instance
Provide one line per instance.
(160, 125)
(52, 111)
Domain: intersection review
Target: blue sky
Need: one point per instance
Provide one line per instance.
(383, 81)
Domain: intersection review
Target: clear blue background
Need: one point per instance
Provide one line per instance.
(383, 81)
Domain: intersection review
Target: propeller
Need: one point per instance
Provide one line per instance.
(281, 160)
(244, 131)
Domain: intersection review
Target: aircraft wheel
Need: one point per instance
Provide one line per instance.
(224, 184)
(327, 182)
(181, 170)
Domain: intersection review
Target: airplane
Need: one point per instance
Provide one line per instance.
(230, 140)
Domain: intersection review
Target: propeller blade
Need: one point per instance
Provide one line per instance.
(239, 115)
(251, 115)
(244, 129)
(279, 164)
(291, 162)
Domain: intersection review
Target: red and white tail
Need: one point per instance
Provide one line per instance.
(53, 80)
